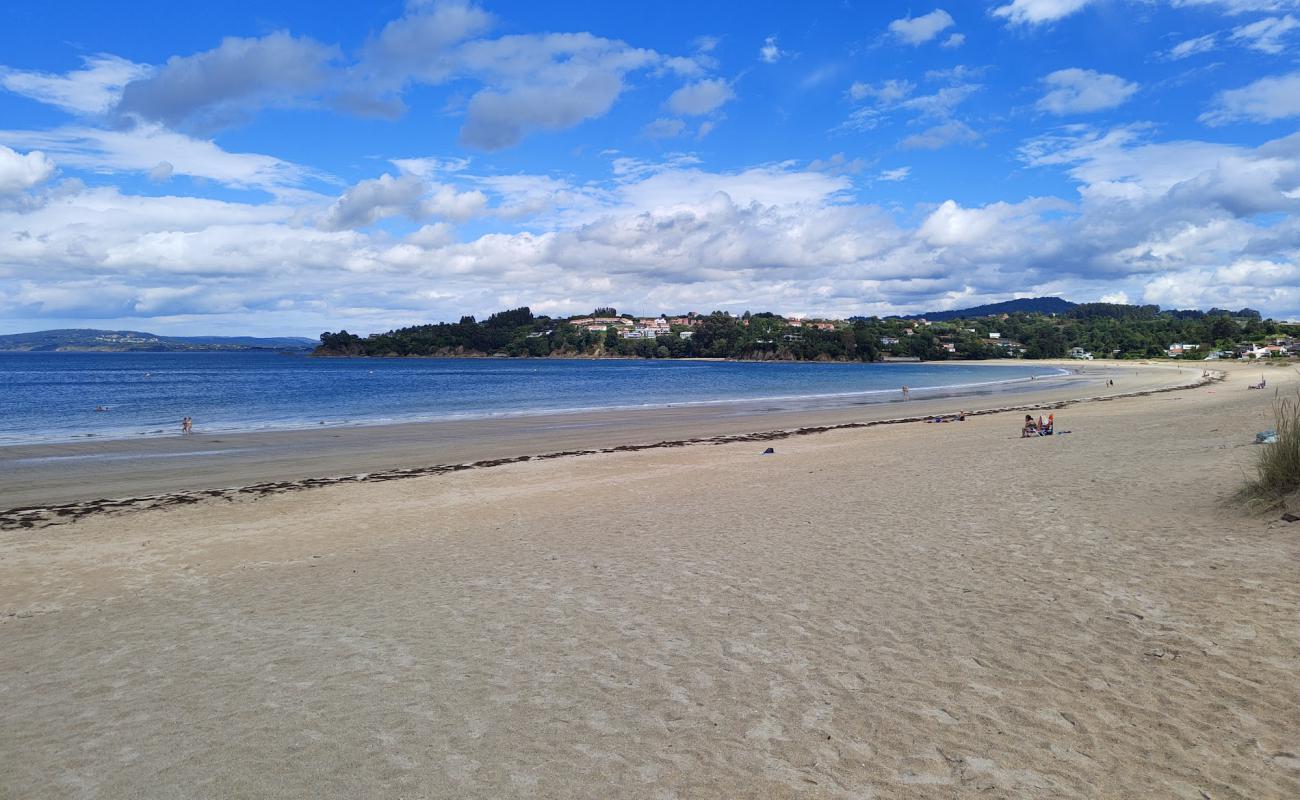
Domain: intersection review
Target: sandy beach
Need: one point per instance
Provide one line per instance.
(895, 611)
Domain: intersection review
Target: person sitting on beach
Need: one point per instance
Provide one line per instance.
(1031, 427)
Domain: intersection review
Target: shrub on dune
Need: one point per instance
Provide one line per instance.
(1277, 467)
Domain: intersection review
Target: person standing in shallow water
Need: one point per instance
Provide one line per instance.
(907, 393)
(187, 426)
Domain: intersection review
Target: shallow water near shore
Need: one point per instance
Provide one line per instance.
(53, 397)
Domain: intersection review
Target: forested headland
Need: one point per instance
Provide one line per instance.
(1104, 330)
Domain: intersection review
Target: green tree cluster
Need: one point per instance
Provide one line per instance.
(1104, 329)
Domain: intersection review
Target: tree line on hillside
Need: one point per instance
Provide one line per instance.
(1105, 329)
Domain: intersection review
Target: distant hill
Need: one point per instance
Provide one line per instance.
(91, 340)
(1027, 305)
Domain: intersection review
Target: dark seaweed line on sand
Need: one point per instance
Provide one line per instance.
(46, 516)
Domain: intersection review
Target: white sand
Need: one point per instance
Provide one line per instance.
(909, 611)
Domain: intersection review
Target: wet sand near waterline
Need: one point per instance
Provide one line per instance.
(902, 611)
(33, 475)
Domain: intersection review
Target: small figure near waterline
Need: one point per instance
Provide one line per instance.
(907, 393)
(187, 426)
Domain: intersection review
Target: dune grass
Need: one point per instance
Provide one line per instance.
(1277, 466)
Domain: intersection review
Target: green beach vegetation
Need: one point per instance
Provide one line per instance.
(1277, 466)
(1103, 330)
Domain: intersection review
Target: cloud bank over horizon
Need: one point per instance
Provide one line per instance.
(453, 160)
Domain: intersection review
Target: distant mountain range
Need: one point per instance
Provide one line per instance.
(1027, 305)
(90, 340)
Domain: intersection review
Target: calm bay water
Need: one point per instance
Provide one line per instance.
(48, 397)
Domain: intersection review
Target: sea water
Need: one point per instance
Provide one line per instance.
(53, 397)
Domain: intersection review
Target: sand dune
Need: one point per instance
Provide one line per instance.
(908, 611)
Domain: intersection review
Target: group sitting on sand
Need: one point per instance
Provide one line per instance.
(1039, 428)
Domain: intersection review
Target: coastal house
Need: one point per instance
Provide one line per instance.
(823, 325)
(643, 332)
(599, 322)
(888, 340)
(1261, 351)
(686, 334)
(655, 326)
(1010, 345)
(1179, 349)
(687, 321)
(1080, 353)
(995, 335)
(794, 323)
(950, 347)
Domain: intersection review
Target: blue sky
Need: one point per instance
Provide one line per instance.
(286, 168)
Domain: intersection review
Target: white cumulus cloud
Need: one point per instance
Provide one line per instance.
(94, 89)
(664, 129)
(1038, 12)
(1266, 35)
(543, 82)
(20, 172)
(938, 137)
(1239, 6)
(1191, 47)
(143, 147)
(1265, 100)
(701, 97)
(1075, 91)
(225, 85)
(373, 200)
(919, 30)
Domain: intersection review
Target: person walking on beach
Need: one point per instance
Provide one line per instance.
(187, 426)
